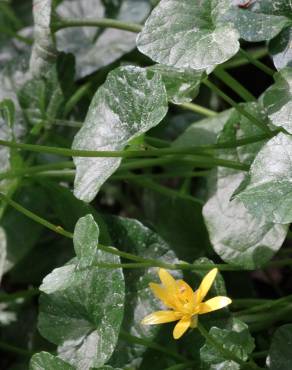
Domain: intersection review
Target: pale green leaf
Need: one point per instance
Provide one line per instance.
(3, 251)
(280, 49)
(268, 194)
(189, 34)
(128, 104)
(81, 308)
(277, 100)
(85, 236)
(46, 361)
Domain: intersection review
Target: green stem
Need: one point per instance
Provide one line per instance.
(198, 109)
(228, 355)
(238, 61)
(187, 365)
(280, 263)
(16, 350)
(146, 183)
(257, 63)
(8, 297)
(147, 343)
(75, 98)
(260, 354)
(103, 23)
(8, 32)
(241, 110)
(231, 82)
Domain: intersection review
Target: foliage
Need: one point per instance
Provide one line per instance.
(140, 137)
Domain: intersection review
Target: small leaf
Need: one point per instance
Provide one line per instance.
(43, 52)
(46, 361)
(262, 20)
(182, 85)
(236, 340)
(280, 49)
(7, 110)
(85, 236)
(268, 193)
(94, 47)
(88, 303)
(128, 104)
(280, 356)
(277, 100)
(189, 34)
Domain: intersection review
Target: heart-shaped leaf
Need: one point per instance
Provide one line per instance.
(88, 302)
(280, 356)
(189, 34)
(128, 104)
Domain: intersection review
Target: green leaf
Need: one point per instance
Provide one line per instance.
(46, 361)
(280, 49)
(236, 340)
(182, 85)
(133, 237)
(188, 34)
(237, 236)
(280, 356)
(42, 99)
(262, 19)
(3, 251)
(277, 100)
(268, 194)
(128, 104)
(183, 230)
(85, 236)
(81, 309)
(7, 110)
(93, 47)
(43, 52)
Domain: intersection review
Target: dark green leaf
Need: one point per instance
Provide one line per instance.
(236, 340)
(95, 48)
(81, 309)
(268, 194)
(182, 85)
(262, 19)
(280, 49)
(46, 361)
(188, 34)
(280, 356)
(277, 100)
(128, 104)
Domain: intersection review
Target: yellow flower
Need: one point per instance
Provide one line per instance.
(185, 304)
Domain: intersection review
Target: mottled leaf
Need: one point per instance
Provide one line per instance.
(81, 308)
(189, 34)
(128, 104)
(236, 340)
(277, 100)
(46, 361)
(268, 193)
(280, 48)
(95, 48)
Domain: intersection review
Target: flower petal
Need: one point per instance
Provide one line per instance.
(181, 327)
(162, 294)
(194, 322)
(167, 280)
(206, 284)
(161, 317)
(214, 304)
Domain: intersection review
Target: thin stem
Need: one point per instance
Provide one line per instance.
(103, 23)
(241, 110)
(231, 82)
(238, 61)
(25, 40)
(16, 350)
(75, 98)
(257, 63)
(25, 294)
(147, 343)
(228, 355)
(146, 183)
(198, 109)
(33, 216)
